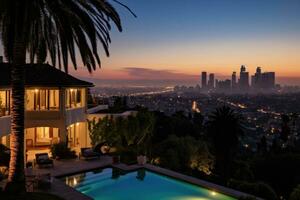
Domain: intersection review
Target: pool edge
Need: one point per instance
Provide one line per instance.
(169, 173)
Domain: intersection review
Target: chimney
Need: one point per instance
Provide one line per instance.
(1, 59)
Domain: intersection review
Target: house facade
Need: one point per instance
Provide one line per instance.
(55, 107)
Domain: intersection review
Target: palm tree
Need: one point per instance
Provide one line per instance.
(37, 29)
(146, 121)
(224, 128)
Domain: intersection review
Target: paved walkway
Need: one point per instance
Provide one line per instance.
(65, 167)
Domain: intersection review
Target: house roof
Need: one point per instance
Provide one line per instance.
(42, 75)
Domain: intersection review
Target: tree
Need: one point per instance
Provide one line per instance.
(133, 133)
(224, 129)
(184, 154)
(36, 29)
(295, 195)
(105, 131)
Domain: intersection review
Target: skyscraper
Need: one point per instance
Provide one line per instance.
(265, 80)
(204, 80)
(224, 86)
(256, 79)
(268, 80)
(211, 81)
(244, 79)
(233, 80)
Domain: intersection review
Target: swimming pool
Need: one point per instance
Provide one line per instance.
(114, 184)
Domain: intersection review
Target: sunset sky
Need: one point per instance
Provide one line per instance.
(173, 39)
(177, 38)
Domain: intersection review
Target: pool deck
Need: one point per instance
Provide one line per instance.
(67, 167)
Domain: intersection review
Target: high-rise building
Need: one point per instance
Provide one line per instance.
(265, 80)
(243, 68)
(244, 79)
(233, 80)
(211, 81)
(268, 80)
(256, 79)
(216, 83)
(204, 80)
(224, 86)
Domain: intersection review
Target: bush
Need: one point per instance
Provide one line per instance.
(281, 171)
(1, 176)
(3, 173)
(4, 155)
(184, 154)
(241, 171)
(247, 198)
(258, 189)
(128, 157)
(61, 151)
(295, 195)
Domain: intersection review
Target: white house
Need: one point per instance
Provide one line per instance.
(55, 107)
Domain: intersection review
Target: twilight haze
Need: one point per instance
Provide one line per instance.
(176, 40)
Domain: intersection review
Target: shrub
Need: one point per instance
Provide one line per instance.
(184, 154)
(241, 171)
(247, 198)
(281, 171)
(128, 157)
(258, 189)
(1, 176)
(295, 195)
(61, 151)
(4, 155)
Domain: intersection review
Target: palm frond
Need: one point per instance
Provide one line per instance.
(58, 29)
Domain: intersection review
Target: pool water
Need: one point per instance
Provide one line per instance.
(114, 184)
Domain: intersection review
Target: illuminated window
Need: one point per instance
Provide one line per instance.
(41, 99)
(41, 136)
(4, 102)
(73, 135)
(74, 98)
(42, 133)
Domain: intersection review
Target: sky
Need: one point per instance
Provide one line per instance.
(177, 39)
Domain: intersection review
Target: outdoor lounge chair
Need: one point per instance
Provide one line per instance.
(42, 159)
(89, 153)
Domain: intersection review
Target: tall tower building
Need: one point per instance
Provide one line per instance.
(204, 80)
(256, 79)
(211, 81)
(268, 80)
(244, 79)
(243, 68)
(233, 80)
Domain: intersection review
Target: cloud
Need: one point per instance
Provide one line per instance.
(154, 74)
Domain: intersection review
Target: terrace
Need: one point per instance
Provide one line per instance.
(69, 167)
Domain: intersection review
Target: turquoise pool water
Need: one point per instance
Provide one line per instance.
(113, 184)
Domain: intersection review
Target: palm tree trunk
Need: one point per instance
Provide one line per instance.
(16, 177)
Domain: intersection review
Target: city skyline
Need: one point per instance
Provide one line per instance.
(260, 81)
(194, 36)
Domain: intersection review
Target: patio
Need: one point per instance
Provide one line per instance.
(67, 167)
(64, 167)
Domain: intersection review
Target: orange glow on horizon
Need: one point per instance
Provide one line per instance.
(221, 57)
